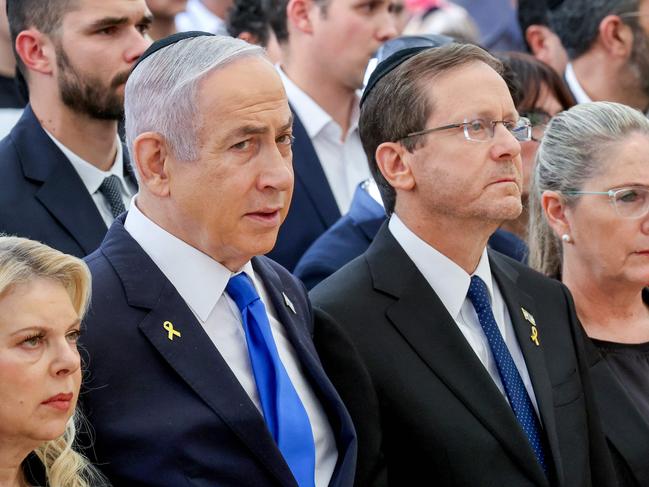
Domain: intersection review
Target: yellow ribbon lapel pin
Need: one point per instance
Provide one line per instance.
(171, 332)
(534, 331)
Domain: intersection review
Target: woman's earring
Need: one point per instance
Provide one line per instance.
(566, 238)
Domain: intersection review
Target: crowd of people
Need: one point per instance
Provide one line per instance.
(324, 243)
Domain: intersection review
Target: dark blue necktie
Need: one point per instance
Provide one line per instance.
(283, 411)
(514, 386)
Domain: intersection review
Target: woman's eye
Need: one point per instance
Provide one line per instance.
(629, 196)
(32, 341)
(74, 336)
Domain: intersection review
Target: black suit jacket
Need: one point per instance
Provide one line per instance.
(313, 207)
(421, 400)
(172, 413)
(42, 196)
(626, 429)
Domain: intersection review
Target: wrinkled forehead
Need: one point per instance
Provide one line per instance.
(471, 89)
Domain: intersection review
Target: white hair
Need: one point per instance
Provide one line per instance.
(576, 146)
(162, 92)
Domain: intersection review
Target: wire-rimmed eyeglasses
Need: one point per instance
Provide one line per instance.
(480, 130)
(539, 120)
(632, 202)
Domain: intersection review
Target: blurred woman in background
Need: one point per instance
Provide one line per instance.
(539, 94)
(589, 227)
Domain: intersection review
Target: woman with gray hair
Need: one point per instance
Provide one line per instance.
(43, 296)
(589, 227)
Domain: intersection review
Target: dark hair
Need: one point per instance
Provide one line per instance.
(525, 76)
(249, 16)
(576, 22)
(532, 12)
(399, 103)
(44, 15)
(278, 20)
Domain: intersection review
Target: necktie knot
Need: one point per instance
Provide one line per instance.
(478, 293)
(242, 290)
(111, 189)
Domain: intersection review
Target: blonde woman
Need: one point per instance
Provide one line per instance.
(43, 296)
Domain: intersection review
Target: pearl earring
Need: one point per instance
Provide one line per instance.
(566, 238)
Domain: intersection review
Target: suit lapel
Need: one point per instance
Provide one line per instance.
(423, 321)
(191, 355)
(299, 332)
(308, 171)
(519, 304)
(62, 192)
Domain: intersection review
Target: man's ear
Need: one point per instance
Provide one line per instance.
(299, 13)
(615, 36)
(554, 207)
(36, 51)
(151, 160)
(393, 162)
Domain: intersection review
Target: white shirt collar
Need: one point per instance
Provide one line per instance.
(312, 116)
(199, 279)
(449, 281)
(573, 83)
(91, 176)
(198, 17)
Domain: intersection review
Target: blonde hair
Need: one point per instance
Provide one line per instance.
(22, 260)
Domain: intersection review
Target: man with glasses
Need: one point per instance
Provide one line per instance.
(456, 363)
(608, 46)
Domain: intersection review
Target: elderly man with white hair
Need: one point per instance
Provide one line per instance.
(202, 368)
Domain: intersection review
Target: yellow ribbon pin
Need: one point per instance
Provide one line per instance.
(169, 327)
(535, 335)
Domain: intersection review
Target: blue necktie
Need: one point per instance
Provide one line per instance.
(514, 387)
(284, 413)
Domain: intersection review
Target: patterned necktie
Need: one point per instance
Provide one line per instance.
(111, 189)
(514, 386)
(283, 411)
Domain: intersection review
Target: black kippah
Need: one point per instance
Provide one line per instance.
(167, 41)
(388, 64)
(552, 4)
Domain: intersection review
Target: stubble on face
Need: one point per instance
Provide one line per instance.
(87, 94)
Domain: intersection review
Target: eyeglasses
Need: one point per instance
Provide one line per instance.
(628, 202)
(480, 130)
(539, 120)
(630, 15)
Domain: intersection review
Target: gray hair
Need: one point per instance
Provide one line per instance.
(575, 147)
(162, 92)
(577, 22)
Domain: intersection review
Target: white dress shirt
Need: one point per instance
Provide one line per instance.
(198, 17)
(451, 284)
(92, 177)
(573, 83)
(201, 282)
(342, 158)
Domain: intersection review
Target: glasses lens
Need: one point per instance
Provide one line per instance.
(477, 130)
(631, 202)
(522, 130)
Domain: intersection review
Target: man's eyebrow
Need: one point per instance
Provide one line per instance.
(117, 21)
(258, 129)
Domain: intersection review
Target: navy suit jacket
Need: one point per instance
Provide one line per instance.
(313, 207)
(172, 413)
(42, 196)
(348, 238)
